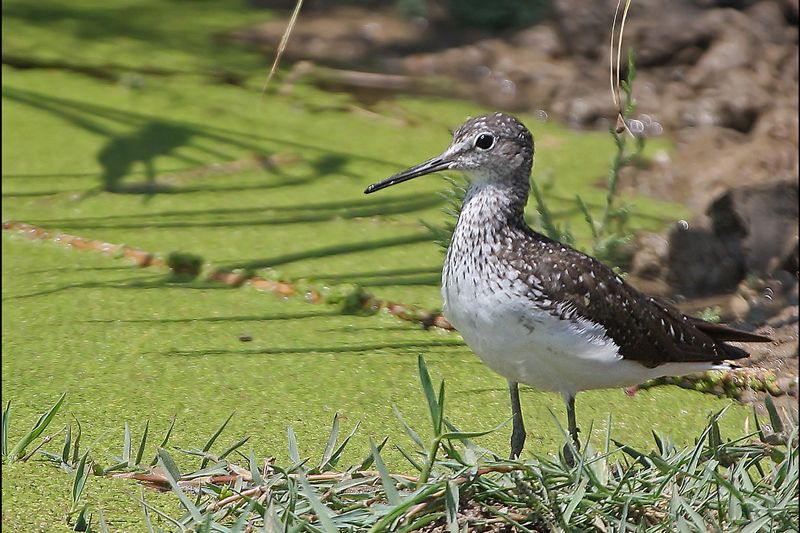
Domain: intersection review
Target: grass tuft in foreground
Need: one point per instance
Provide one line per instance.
(745, 484)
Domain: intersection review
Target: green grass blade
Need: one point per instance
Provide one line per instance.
(337, 454)
(463, 435)
(440, 415)
(451, 496)
(409, 458)
(168, 463)
(758, 524)
(142, 444)
(430, 395)
(576, 499)
(587, 215)
(102, 520)
(214, 437)
(241, 523)
(193, 510)
(388, 483)
(126, 445)
(79, 481)
(146, 512)
(76, 447)
(322, 512)
(4, 428)
(67, 445)
(84, 520)
(164, 441)
(774, 418)
(369, 459)
(238, 444)
(409, 430)
(330, 446)
(255, 473)
(39, 427)
(294, 451)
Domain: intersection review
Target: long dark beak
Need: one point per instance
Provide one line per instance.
(428, 167)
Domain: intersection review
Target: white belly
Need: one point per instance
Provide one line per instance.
(533, 347)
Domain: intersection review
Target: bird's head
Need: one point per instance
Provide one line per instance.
(493, 147)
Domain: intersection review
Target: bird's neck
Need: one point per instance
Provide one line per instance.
(494, 205)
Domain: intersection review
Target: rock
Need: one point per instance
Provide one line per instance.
(699, 261)
(649, 261)
(584, 27)
(541, 38)
(763, 217)
(745, 230)
(661, 40)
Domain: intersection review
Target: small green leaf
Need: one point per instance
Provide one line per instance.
(38, 428)
(369, 459)
(409, 430)
(337, 454)
(173, 482)
(65, 451)
(164, 441)
(102, 519)
(322, 512)
(214, 437)
(76, 445)
(294, 451)
(451, 496)
(168, 463)
(430, 395)
(235, 446)
(84, 520)
(4, 428)
(126, 445)
(386, 480)
(79, 481)
(329, 447)
(142, 444)
(255, 472)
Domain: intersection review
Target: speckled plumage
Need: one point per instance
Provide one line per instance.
(540, 312)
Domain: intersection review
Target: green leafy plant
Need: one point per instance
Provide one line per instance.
(18, 452)
(749, 483)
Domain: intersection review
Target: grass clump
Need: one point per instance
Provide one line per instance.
(744, 484)
(185, 265)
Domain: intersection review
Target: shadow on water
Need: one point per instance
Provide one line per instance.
(389, 204)
(328, 251)
(152, 136)
(322, 350)
(212, 319)
(161, 281)
(299, 214)
(121, 152)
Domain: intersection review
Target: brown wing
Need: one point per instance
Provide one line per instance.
(645, 329)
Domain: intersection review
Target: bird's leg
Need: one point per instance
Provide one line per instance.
(571, 424)
(572, 427)
(517, 424)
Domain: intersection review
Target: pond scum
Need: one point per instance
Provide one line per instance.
(748, 484)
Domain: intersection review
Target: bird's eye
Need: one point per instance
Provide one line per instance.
(484, 141)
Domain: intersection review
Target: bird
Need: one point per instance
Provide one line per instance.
(539, 312)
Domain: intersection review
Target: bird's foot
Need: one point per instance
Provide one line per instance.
(569, 456)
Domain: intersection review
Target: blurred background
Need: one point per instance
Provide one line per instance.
(139, 129)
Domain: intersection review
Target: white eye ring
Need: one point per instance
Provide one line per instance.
(484, 141)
